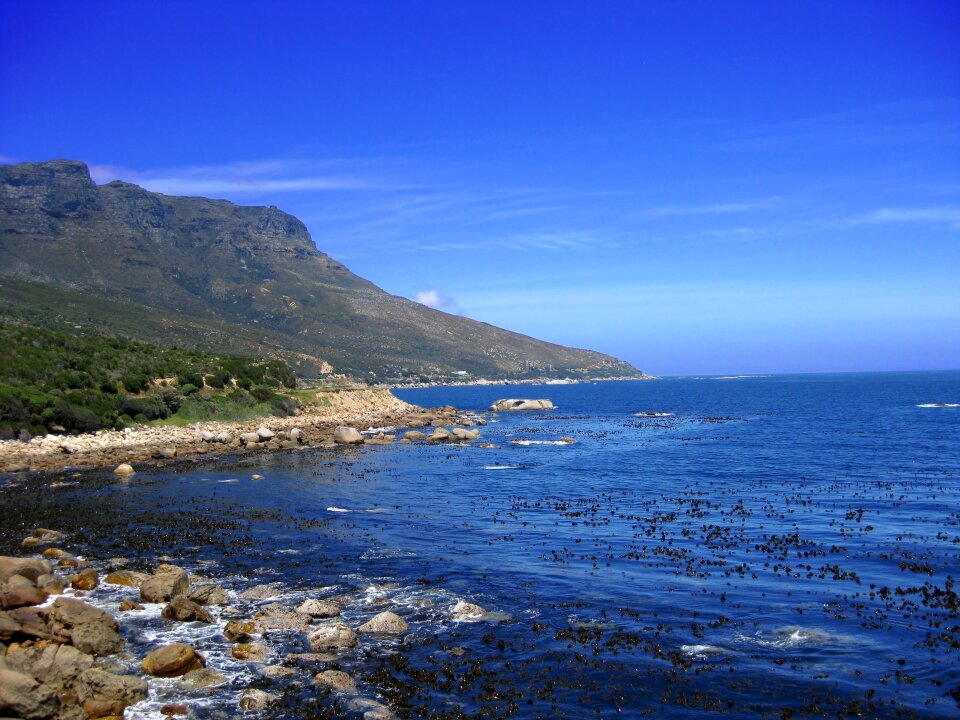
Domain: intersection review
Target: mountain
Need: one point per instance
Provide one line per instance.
(212, 275)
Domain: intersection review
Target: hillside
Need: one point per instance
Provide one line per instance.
(212, 275)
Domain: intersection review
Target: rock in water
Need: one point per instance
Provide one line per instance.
(467, 611)
(30, 568)
(124, 470)
(513, 404)
(344, 435)
(172, 661)
(319, 608)
(385, 622)
(336, 680)
(104, 694)
(165, 584)
(184, 610)
(256, 700)
(334, 636)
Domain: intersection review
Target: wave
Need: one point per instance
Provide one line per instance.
(501, 467)
(652, 413)
(337, 509)
(541, 442)
(938, 405)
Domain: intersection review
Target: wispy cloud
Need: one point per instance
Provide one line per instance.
(948, 215)
(266, 177)
(723, 208)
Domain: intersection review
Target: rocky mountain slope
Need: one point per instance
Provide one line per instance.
(212, 275)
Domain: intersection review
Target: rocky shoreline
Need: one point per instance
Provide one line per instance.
(313, 426)
(73, 629)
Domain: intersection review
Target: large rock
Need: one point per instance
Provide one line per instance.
(209, 595)
(240, 631)
(124, 470)
(104, 694)
(59, 665)
(319, 608)
(467, 611)
(463, 435)
(256, 700)
(265, 434)
(165, 584)
(85, 580)
(344, 435)
(30, 568)
(203, 677)
(184, 610)
(250, 651)
(19, 591)
(249, 438)
(25, 623)
(23, 697)
(332, 637)
(172, 661)
(129, 578)
(277, 619)
(386, 622)
(336, 680)
(439, 435)
(97, 639)
(513, 404)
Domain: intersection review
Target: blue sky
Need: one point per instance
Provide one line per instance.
(696, 187)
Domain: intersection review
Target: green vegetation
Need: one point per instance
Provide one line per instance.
(56, 382)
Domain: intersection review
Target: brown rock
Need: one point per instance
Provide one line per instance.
(84, 580)
(385, 623)
(19, 591)
(174, 709)
(96, 638)
(172, 661)
(256, 700)
(128, 578)
(184, 610)
(124, 470)
(238, 631)
(165, 584)
(23, 697)
(51, 584)
(68, 612)
(203, 677)
(59, 665)
(127, 605)
(25, 623)
(105, 694)
(319, 608)
(256, 652)
(209, 595)
(336, 680)
(30, 568)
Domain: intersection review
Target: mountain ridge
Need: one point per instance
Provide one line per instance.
(214, 275)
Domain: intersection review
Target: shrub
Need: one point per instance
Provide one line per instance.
(219, 379)
(190, 378)
(75, 418)
(137, 382)
(188, 389)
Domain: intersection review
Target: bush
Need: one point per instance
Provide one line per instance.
(75, 418)
(135, 383)
(172, 398)
(188, 389)
(190, 378)
(219, 379)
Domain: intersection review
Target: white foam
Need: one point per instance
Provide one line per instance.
(336, 509)
(228, 480)
(653, 414)
(938, 405)
(540, 442)
(701, 652)
(501, 467)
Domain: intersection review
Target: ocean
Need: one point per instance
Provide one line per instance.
(751, 546)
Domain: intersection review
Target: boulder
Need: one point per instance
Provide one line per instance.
(463, 435)
(265, 434)
(25, 623)
(167, 452)
(249, 438)
(319, 608)
(332, 637)
(124, 470)
(203, 677)
(256, 700)
(336, 680)
(84, 580)
(165, 584)
(277, 619)
(261, 592)
(413, 435)
(104, 694)
(344, 435)
(513, 404)
(172, 661)
(59, 665)
(207, 437)
(42, 536)
(96, 638)
(128, 605)
(19, 591)
(23, 697)
(239, 631)
(30, 568)
(224, 437)
(185, 610)
(467, 611)
(51, 584)
(250, 651)
(209, 595)
(386, 623)
(439, 435)
(70, 612)
(296, 435)
(129, 578)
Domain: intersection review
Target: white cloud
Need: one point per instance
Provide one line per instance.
(434, 299)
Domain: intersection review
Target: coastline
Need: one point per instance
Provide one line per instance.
(366, 408)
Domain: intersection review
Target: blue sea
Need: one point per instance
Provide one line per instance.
(752, 546)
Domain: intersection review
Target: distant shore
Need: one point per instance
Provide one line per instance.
(482, 382)
(365, 408)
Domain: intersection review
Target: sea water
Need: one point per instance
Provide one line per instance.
(741, 547)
